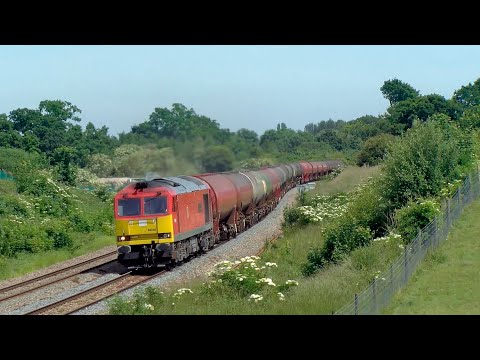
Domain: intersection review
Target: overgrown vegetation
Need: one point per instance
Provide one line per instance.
(417, 170)
(39, 214)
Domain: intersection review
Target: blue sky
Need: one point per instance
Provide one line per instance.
(255, 87)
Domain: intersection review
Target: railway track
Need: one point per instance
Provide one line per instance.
(53, 277)
(104, 290)
(94, 294)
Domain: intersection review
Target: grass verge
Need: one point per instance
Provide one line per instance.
(446, 282)
(25, 263)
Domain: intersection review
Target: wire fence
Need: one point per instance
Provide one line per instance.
(382, 289)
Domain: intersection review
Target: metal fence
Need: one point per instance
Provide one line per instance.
(382, 289)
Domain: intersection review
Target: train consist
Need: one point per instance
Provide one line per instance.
(164, 221)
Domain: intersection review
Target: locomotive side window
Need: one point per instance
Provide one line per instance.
(155, 205)
(128, 207)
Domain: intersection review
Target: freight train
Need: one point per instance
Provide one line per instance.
(164, 221)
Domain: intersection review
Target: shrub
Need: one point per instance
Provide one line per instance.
(369, 206)
(374, 149)
(430, 155)
(415, 216)
(341, 237)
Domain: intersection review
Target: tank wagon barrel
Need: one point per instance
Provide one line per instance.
(259, 186)
(224, 192)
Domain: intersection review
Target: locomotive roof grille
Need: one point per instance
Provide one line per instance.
(141, 185)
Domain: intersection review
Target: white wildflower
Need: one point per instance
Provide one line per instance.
(255, 297)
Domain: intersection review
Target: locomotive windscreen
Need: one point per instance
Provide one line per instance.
(155, 205)
(128, 207)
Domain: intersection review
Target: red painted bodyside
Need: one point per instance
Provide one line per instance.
(192, 211)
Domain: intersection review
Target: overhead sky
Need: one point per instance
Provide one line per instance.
(254, 87)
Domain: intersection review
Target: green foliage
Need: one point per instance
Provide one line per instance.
(429, 156)
(62, 159)
(369, 206)
(142, 302)
(469, 95)
(256, 163)
(315, 210)
(39, 214)
(374, 149)
(421, 108)
(58, 232)
(396, 91)
(341, 237)
(101, 165)
(414, 216)
(368, 126)
(470, 119)
(217, 158)
(10, 158)
(179, 123)
(325, 125)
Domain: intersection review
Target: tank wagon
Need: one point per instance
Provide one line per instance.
(165, 221)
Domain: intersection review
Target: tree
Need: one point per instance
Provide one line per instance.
(179, 123)
(421, 108)
(62, 159)
(471, 118)
(374, 149)
(8, 136)
(101, 165)
(248, 136)
(331, 138)
(48, 124)
(217, 158)
(396, 91)
(428, 156)
(469, 95)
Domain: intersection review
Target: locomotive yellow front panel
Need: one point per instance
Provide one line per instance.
(144, 231)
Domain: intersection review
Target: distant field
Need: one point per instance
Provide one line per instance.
(448, 280)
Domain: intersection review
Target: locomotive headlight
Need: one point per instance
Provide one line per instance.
(122, 238)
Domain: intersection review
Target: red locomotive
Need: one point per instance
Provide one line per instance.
(164, 221)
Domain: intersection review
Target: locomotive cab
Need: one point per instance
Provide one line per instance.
(143, 224)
